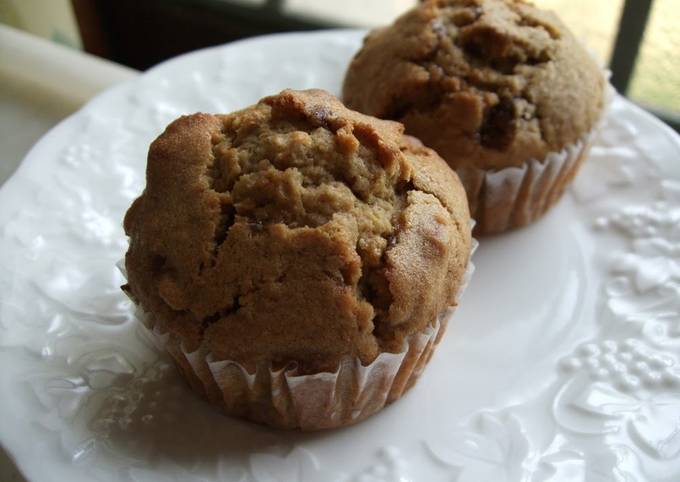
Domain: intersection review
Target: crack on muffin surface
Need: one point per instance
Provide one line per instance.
(491, 56)
(292, 205)
(221, 173)
(308, 171)
(448, 68)
(221, 313)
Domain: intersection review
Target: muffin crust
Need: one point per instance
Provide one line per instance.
(295, 230)
(486, 83)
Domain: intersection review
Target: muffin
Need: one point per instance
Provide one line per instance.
(499, 88)
(297, 259)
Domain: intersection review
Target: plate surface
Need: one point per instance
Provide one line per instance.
(562, 362)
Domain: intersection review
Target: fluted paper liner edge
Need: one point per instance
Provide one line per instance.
(516, 196)
(283, 398)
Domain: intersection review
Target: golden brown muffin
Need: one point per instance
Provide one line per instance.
(488, 84)
(295, 232)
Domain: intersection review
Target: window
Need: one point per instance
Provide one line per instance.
(656, 78)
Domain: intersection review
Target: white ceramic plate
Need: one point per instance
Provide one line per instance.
(561, 364)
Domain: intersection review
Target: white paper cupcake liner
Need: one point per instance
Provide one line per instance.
(287, 399)
(516, 196)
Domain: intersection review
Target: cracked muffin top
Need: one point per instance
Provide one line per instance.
(295, 230)
(486, 83)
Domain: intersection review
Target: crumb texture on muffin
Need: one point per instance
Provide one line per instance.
(295, 230)
(486, 83)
